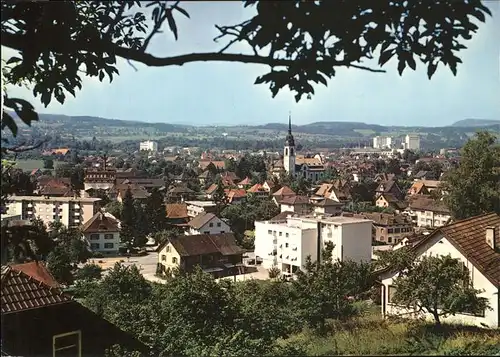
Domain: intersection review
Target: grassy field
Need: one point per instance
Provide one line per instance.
(371, 335)
(29, 165)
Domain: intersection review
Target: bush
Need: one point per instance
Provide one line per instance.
(98, 255)
(274, 273)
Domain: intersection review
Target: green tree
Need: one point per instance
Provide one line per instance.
(474, 187)
(59, 264)
(89, 272)
(219, 197)
(114, 208)
(156, 212)
(300, 185)
(324, 288)
(48, 164)
(440, 286)
(142, 226)
(128, 219)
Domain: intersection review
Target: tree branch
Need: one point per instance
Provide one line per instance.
(17, 42)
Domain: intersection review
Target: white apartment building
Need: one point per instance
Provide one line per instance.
(287, 243)
(382, 142)
(72, 212)
(194, 208)
(148, 146)
(412, 142)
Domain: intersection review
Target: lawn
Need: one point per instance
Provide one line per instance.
(29, 165)
(371, 335)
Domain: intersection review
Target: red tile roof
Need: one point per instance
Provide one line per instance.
(101, 222)
(176, 210)
(21, 292)
(38, 271)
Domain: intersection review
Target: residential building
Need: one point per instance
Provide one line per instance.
(391, 187)
(382, 142)
(102, 232)
(99, 179)
(217, 254)
(148, 145)
(72, 212)
(177, 213)
(297, 204)
(387, 228)
(427, 212)
(326, 206)
(207, 223)
(386, 200)
(258, 190)
(412, 142)
(475, 242)
(63, 326)
(285, 242)
(194, 208)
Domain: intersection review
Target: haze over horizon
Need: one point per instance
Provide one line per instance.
(224, 93)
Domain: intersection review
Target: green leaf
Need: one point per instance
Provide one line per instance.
(171, 23)
(431, 69)
(13, 60)
(411, 61)
(8, 121)
(182, 11)
(385, 56)
(401, 66)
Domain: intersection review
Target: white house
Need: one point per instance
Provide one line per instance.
(194, 208)
(207, 223)
(286, 242)
(102, 232)
(476, 242)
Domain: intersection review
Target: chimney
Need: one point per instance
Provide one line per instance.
(490, 237)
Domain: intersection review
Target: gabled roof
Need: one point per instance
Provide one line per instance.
(101, 222)
(191, 245)
(422, 203)
(294, 200)
(282, 216)
(201, 219)
(245, 181)
(21, 292)
(38, 271)
(327, 202)
(176, 210)
(211, 189)
(257, 188)
(284, 191)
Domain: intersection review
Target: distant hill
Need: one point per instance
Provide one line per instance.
(472, 123)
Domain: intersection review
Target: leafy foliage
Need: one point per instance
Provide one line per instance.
(474, 187)
(440, 286)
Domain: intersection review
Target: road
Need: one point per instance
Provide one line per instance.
(147, 266)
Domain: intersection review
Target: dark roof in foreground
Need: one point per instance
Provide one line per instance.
(21, 292)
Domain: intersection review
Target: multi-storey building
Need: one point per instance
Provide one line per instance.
(194, 208)
(72, 212)
(382, 142)
(412, 142)
(148, 146)
(287, 242)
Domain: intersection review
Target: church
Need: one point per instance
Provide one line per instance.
(310, 168)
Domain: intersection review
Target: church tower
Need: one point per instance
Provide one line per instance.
(289, 150)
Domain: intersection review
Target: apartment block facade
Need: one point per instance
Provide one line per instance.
(287, 243)
(72, 212)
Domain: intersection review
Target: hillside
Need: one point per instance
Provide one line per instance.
(472, 123)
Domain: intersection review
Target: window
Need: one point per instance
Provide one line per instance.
(218, 224)
(109, 245)
(94, 246)
(390, 296)
(168, 249)
(108, 236)
(206, 232)
(389, 239)
(94, 237)
(174, 260)
(210, 224)
(223, 232)
(286, 235)
(67, 344)
(163, 257)
(286, 245)
(269, 232)
(390, 230)
(280, 234)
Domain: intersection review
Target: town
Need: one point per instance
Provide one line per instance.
(261, 178)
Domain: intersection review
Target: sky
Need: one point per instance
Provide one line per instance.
(225, 94)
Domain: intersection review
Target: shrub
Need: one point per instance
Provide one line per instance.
(274, 273)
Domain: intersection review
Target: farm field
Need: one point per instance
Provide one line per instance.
(29, 165)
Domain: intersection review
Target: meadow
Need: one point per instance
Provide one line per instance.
(29, 165)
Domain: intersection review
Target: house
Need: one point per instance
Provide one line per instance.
(427, 212)
(38, 319)
(269, 186)
(384, 177)
(203, 164)
(207, 223)
(326, 206)
(337, 191)
(181, 193)
(283, 192)
(245, 183)
(390, 187)
(194, 208)
(286, 240)
(102, 232)
(474, 241)
(388, 228)
(138, 192)
(217, 254)
(235, 195)
(177, 213)
(258, 190)
(386, 200)
(418, 188)
(296, 204)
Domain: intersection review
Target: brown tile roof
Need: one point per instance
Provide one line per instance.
(21, 292)
(57, 191)
(235, 194)
(101, 222)
(282, 216)
(422, 203)
(218, 164)
(245, 181)
(387, 219)
(257, 188)
(201, 219)
(190, 245)
(327, 202)
(294, 200)
(284, 191)
(211, 189)
(38, 271)
(176, 210)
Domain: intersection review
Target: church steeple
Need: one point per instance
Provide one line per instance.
(289, 141)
